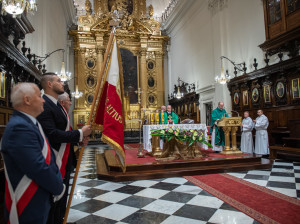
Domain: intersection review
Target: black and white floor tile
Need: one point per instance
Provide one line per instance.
(167, 201)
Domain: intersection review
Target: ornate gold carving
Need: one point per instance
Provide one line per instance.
(138, 34)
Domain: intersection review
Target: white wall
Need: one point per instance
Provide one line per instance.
(200, 37)
(51, 25)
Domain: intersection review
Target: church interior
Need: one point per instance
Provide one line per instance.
(191, 56)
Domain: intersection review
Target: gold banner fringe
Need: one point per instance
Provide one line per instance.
(119, 150)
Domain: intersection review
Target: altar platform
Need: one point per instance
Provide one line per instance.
(150, 168)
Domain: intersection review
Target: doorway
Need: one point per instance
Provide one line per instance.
(208, 112)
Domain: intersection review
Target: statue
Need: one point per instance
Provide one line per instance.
(151, 11)
(88, 7)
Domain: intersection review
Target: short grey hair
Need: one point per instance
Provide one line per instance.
(19, 91)
(63, 97)
(220, 103)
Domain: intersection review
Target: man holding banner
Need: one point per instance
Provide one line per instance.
(56, 124)
(107, 113)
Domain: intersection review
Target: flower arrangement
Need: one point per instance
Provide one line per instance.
(189, 136)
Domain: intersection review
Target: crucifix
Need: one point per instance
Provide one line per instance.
(140, 153)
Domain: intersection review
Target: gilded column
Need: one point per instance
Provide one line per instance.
(100, 58)
(160, 78)
(143, 78)
(80, 77)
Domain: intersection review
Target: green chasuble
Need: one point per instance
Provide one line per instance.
(173, 115)
(160, 116)
(219, 133)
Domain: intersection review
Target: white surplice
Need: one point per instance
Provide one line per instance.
(213, 136)
(261, 138)
(247, 140)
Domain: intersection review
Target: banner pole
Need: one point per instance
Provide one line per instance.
(89, 122)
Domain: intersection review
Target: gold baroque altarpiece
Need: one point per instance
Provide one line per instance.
(139, 38)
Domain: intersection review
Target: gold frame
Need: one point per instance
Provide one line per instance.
(277, 89)
(269, 90)
(87, 61)
(2, 84)
(245, 92)
(153, 64)
(298, 88)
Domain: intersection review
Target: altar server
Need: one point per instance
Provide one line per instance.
(32, 176)
(247, 140)
(261, 138)
(56, 124)
(170, 116)
(217, 133)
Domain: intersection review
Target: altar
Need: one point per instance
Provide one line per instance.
(147, 133)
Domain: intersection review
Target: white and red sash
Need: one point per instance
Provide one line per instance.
(64, 150)
(17, 200)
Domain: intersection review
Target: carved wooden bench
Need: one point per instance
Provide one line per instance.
(290, 151)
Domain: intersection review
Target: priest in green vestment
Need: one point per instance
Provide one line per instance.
(162, 114)
(217, 133)
(170, 116)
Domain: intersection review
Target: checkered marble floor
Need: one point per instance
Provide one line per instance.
(167, 201)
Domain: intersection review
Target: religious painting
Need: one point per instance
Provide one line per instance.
(150, 65)
(280, 89)
(129, 63)
(90, 99)
(245, 98)
(255, 95)
(151, 99)
(90, 81)
(295, 88)
(267, 94)
(2, 84)
(151, 82)
(236, 98)
(90, 63)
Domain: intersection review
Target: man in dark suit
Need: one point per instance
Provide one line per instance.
(32, 176)
(56, 124)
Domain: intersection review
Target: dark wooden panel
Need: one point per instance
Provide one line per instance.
(283, 109)
(2, 118)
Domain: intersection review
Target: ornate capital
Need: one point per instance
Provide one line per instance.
(159, 54)
(99, 50)
(82, 50)
(143, 52)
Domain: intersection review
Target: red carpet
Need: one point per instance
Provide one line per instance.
(260, 203)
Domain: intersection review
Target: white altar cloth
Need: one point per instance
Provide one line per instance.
(147, 133)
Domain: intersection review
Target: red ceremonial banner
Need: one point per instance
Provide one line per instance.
(109, 111)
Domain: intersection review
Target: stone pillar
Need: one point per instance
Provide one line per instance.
(143, 77)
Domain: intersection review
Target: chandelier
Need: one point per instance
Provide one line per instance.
(77, 94)
(222, 79)
(179, 94)
(64, 76)
(17, 7)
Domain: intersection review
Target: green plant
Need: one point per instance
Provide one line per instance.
(189, 136)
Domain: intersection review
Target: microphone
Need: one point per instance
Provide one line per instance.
(235, 112)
